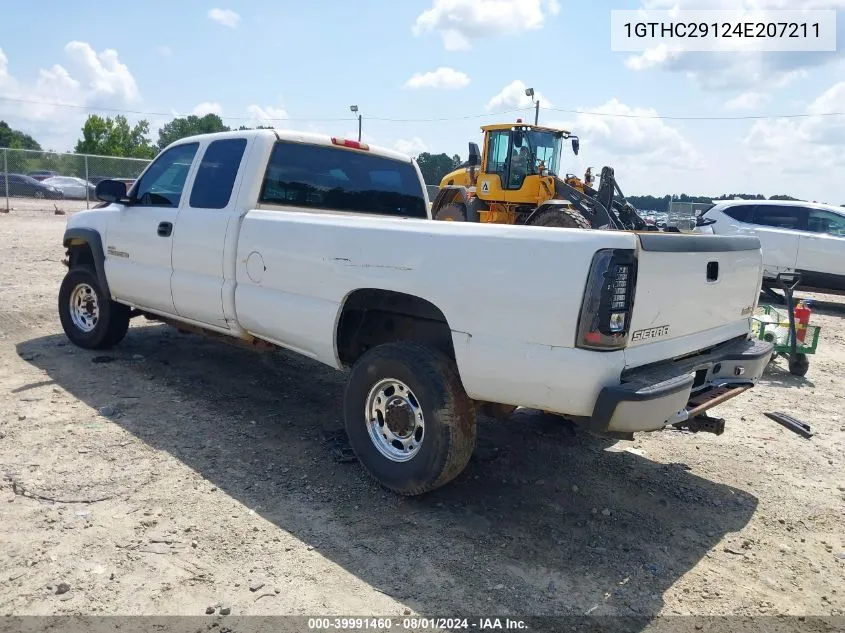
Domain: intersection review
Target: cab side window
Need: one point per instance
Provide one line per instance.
(164, 181)
(497, 152)
(740, 212)
(216, 174)
(819, 221)
(780, 217)
(333, 179)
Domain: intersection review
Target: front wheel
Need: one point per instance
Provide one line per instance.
(408, 418)
(452, 212)
(89, 318)
(560, 216)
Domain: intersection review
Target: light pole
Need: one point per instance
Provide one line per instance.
(354, 108)
(529, 92)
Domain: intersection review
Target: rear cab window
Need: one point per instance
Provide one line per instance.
(327, 178)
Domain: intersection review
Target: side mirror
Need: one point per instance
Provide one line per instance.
(576, 145)
(111, 191)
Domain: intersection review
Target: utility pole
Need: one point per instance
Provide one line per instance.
(354, 108)
(537, 112)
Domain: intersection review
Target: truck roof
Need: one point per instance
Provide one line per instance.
(519, 123)
(823, 206)
(295, 136)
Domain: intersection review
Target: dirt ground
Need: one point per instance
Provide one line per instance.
(175, 473)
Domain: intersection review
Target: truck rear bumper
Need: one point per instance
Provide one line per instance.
(652, 397)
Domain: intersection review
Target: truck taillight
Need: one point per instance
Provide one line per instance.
(608, 300)
(347, 143)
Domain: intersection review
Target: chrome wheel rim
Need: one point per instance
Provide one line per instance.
(395, 420)
(84, 308)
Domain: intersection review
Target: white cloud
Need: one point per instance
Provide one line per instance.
(513, 96)
(412, 146)
(651, 58)
(813, 145)
(442, 78)
(94, 80)
(644, 151)
(105, 74)
(207, 107)
(748, 101)
(459, 22)
(164, 50)
(743, 70)
(226, 17)
(267, 116)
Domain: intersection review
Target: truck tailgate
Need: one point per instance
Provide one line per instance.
(688, 285)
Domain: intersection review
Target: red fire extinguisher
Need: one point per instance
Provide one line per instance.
(802, 314)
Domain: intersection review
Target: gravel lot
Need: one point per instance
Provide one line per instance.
(175, 473)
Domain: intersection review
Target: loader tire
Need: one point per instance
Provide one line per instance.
(407, 416)
(562, 217)
(452, 212)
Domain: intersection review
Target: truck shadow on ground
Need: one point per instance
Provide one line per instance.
(777, 374)
(543, 521)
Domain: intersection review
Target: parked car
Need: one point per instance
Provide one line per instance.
(326, 247)
(42, 174)
(25, 187)
(72, 187)
(803, 237)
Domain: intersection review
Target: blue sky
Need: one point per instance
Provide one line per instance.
(301, 64)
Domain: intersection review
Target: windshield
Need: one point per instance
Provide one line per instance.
(546, 147)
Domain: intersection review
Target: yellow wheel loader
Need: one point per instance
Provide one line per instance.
(515, 180)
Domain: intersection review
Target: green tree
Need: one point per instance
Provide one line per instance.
(181, 127)
(114, 137)
(15, 139)
(435, 166)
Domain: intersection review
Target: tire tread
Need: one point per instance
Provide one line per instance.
(457, 414)
(115, 315)
(558, 216)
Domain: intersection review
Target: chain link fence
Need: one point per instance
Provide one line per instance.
(37, 180)
(683, 214)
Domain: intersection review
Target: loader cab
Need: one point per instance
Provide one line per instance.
(515, 157)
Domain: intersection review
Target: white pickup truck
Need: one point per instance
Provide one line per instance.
(326, 247)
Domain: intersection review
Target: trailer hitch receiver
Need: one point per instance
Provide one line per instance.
(702, 423)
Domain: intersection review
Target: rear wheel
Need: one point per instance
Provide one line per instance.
(562, 217)
(408, 418)
(452, 212)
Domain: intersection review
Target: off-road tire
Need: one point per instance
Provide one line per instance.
(563, 217)
(452, 212)
(113, 321)
(450, 420)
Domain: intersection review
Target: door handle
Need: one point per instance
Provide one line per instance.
(165, 229)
